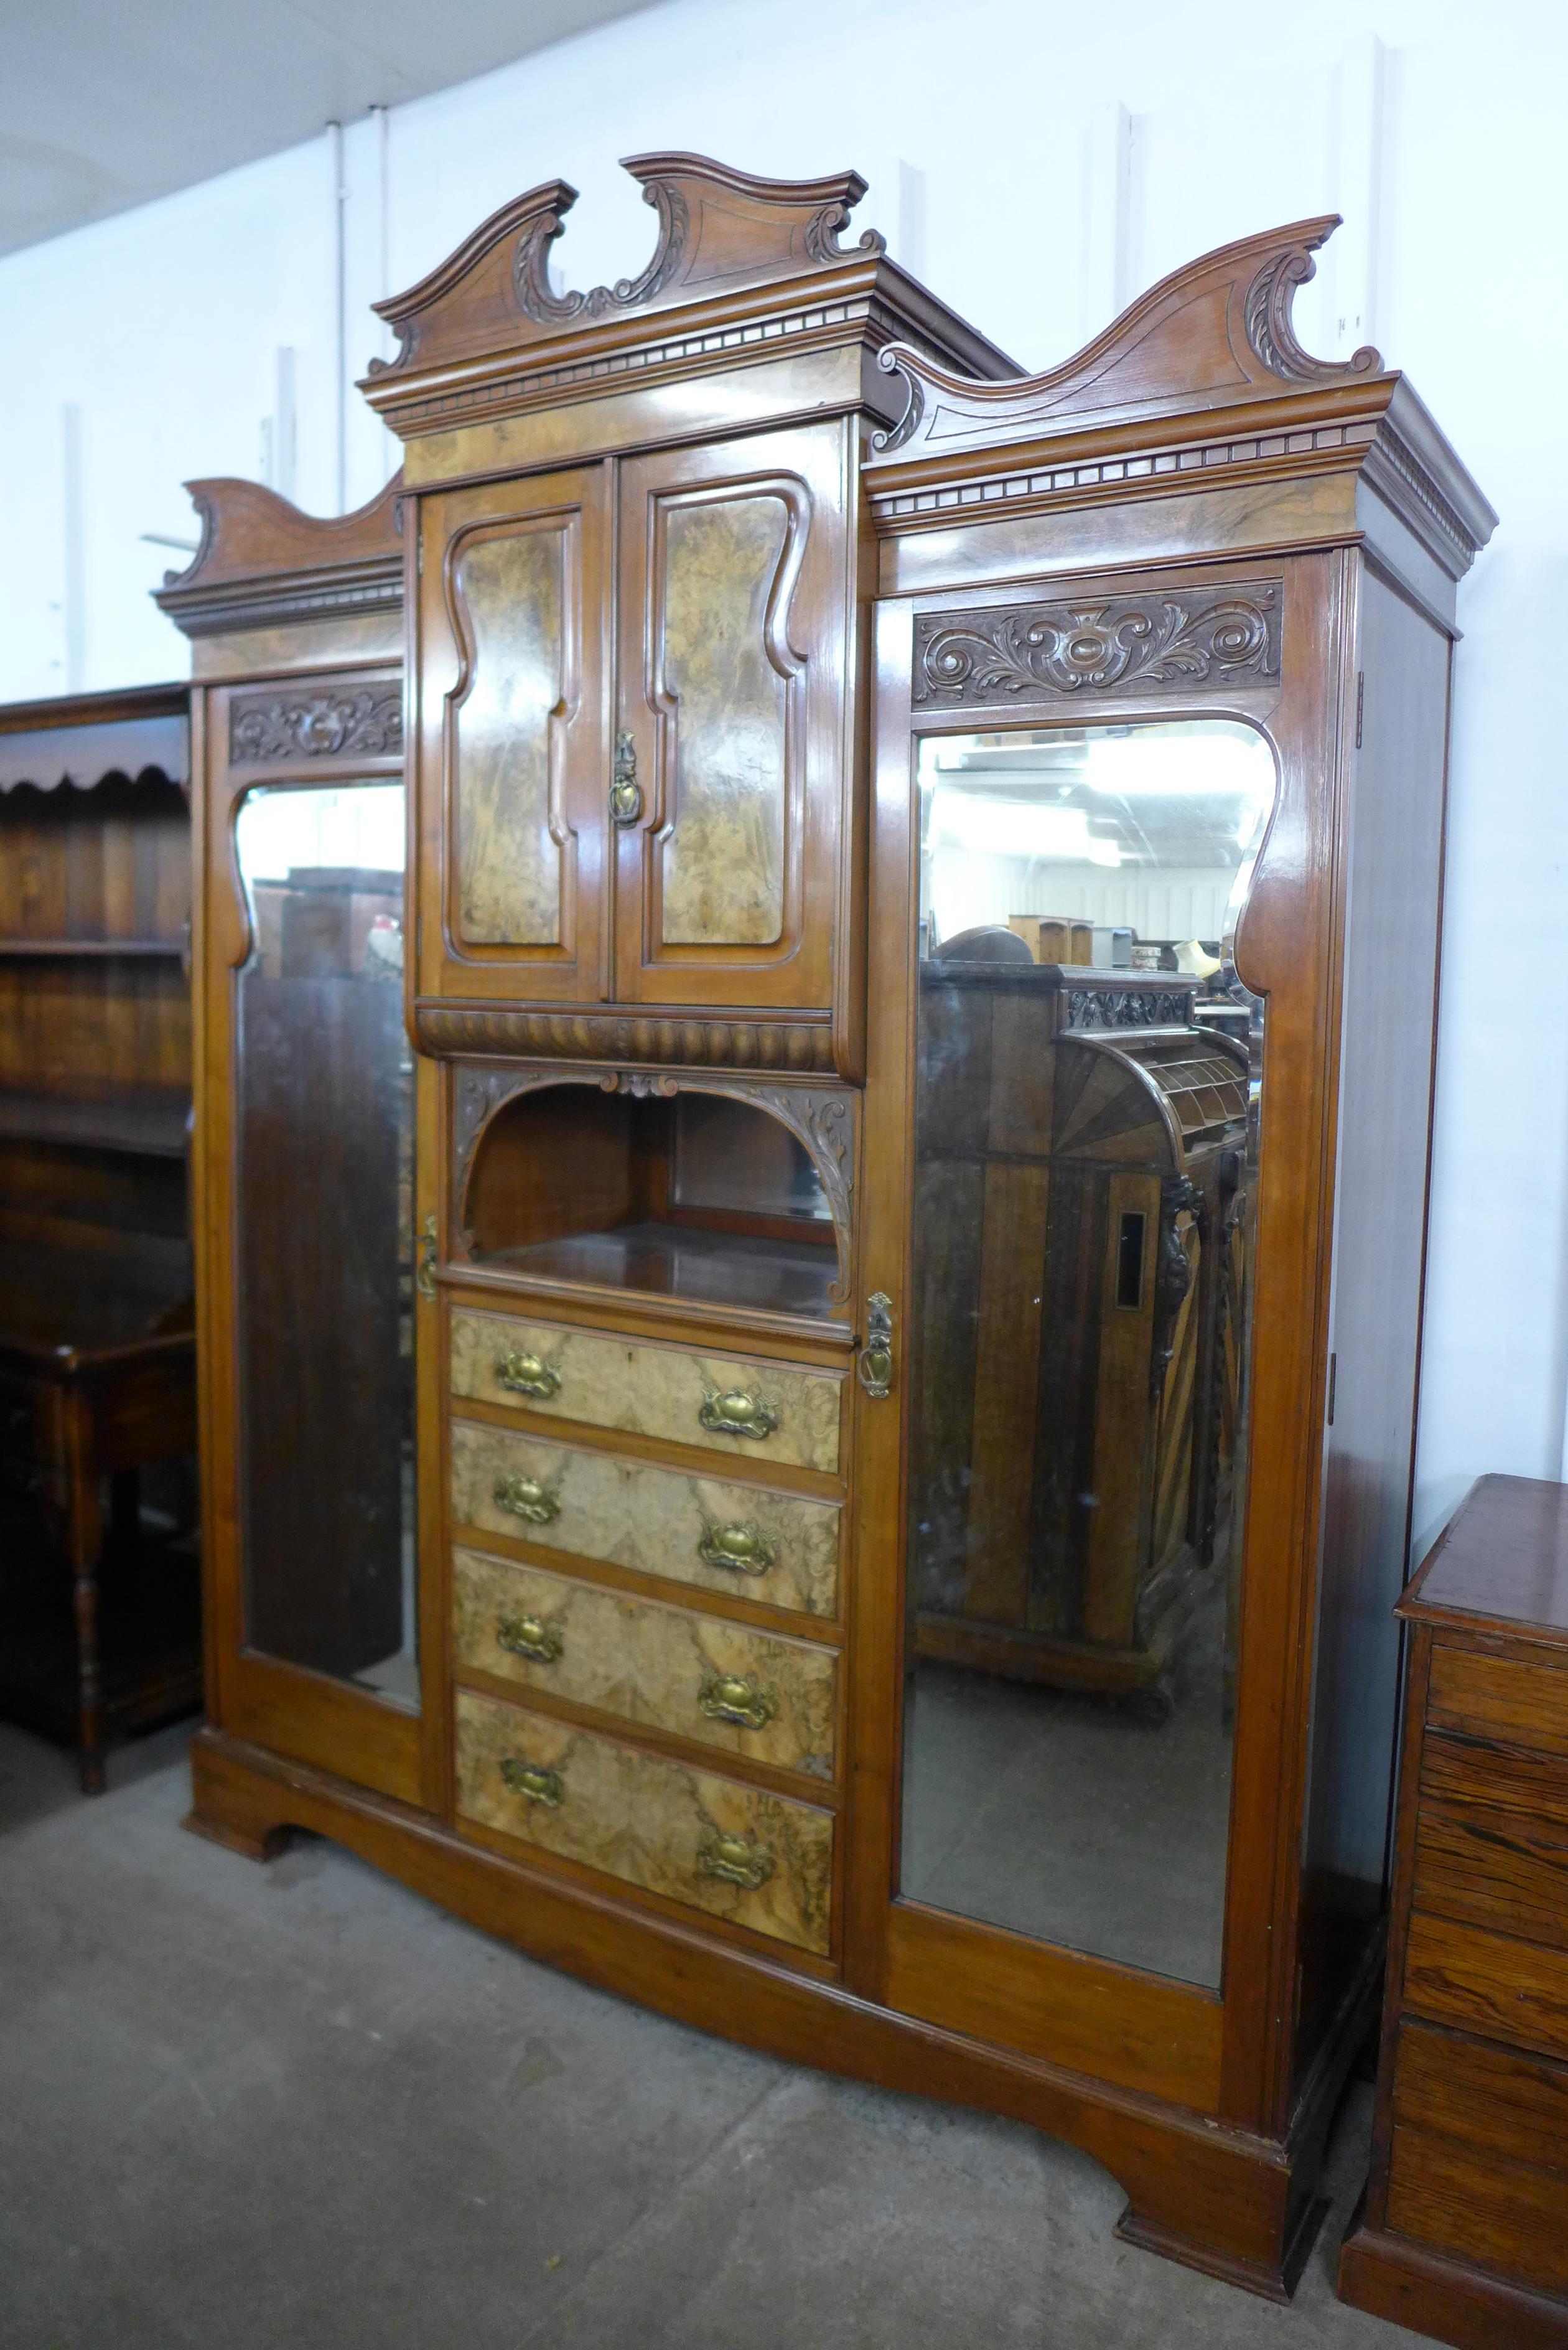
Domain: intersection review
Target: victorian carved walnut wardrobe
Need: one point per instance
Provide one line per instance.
(767, 1443)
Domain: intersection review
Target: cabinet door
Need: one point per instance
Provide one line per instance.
(514, 770)
(732, 743)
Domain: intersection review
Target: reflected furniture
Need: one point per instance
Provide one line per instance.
(1463, 2231)
(1078, 1267)
(96, 1357)
(699, 572)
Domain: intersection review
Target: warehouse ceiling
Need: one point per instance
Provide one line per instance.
(104, 105)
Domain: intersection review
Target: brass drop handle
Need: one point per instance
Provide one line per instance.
(876, 1360)
(739, 1860)
(531, 1637)
(732, 1412)
(743, 1549)
(526, 1374)
(738, 1698)
(625, 793)
(527, 1497)
(429, 1249)
(534, 1783)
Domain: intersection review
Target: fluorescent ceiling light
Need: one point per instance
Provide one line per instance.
(995, 827)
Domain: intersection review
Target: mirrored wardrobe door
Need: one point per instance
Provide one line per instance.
(1087, 1075)
(324, 1254)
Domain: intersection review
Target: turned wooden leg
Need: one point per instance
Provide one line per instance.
(84, 1544)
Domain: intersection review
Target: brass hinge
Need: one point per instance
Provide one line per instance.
(1333, 1379)
(1360, 702)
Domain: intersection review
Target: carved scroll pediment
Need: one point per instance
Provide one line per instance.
(1216, 332)
(718, 230)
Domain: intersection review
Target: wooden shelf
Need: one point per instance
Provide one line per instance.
(709, 1267)
(151, 1125)
(173, 948)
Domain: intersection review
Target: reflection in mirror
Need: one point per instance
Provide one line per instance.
(1086, 1131)
(325, 1158)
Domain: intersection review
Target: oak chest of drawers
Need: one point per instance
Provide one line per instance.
(1465, 2230)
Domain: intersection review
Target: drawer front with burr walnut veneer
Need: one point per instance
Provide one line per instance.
(1465, 2233)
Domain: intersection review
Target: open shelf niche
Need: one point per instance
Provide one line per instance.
(660, 1187)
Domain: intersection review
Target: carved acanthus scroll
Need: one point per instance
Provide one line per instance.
(1036, 651)
(367, 723)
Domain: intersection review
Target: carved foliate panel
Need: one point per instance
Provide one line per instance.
(725, 568)
(363, 721)
(1184, 642)
(509, 589)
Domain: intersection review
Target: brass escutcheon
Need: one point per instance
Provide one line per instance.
(625, 793)
(746, 1549)
(739, 1860)
(527, 1497)
(526, 1374)
(734, 1412)
(430, 1251)
(530, 1636)
(533, 1781)
(738, 1698)
(875, 1361)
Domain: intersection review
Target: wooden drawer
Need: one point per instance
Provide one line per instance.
(759, 1411)
(1493, 1867)
(1487, 1983)
(1453, 1772)
(700, 1677)
(1463, 2112)
(732, 1851)
(782, 1547)
(1502, 1697)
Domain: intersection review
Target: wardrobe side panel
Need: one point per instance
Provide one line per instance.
(1393, 903)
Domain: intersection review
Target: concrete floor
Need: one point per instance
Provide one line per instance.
(296, 2105)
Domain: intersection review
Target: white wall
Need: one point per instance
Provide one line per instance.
(1038, 165)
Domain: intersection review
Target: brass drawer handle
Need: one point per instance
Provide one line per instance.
(734, 1412)
(533, 1781)
(739, 1860)
(530, 1636)
(526, 1374)
(525, 1497)
(746, 1549)
(876, 1362)
(625, 793)
(738, 1698)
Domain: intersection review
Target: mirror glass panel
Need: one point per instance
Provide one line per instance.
(323, 1154)
(1086, 1138)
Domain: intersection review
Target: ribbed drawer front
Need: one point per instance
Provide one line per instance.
(1502, 1697)
(777, 1548)
(756, 1410)
(670, 1668)
(730, 1851)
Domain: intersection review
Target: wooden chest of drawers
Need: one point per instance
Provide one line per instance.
(1465, 2230)
(645, 1638)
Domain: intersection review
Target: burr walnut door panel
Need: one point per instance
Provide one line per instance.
(731, 757)
(513, 771)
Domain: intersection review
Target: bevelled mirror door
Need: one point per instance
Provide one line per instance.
(1087, 1091)
(324, 1244)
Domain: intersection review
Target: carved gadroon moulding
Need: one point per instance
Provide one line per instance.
(366, 723)
(821, 1118)
(1202, 638)
(794, 1048)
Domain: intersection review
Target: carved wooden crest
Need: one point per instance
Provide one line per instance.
(261, 560)
(1214, 333)
(717, 230)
